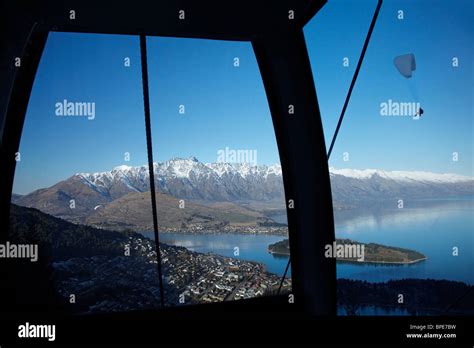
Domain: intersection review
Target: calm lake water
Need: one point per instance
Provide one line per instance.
(430, 227)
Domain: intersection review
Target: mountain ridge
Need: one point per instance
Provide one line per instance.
(252, 188)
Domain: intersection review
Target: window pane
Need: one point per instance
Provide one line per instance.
(82, 150)
(401, 169)
(220, 192)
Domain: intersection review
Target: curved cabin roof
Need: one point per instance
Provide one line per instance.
(213, 19)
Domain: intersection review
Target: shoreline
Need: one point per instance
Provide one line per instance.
(411, 262)
(386, 262)
(269, 233)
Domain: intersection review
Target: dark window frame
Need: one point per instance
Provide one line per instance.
(280, 49)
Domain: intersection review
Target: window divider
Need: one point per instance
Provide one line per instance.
(348, 97)
(146, 104)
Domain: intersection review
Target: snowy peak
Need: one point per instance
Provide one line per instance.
(240, 183)
(243, 169)
(189, 178)
(122, 168)
(184, 168)
(192, 169)
(401, 176)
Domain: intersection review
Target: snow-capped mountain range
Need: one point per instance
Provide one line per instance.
(191, 179)
(402, 176)
(357, 188)
(136, 178)
(241, 184)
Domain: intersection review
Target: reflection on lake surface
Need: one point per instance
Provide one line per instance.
(431, 227)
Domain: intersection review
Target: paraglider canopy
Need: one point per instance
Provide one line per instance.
(405, 64)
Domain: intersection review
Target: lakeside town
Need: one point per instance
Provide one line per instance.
(197, 228)
(121, 283)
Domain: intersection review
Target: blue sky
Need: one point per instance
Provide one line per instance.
(435, 31)
(227, 107)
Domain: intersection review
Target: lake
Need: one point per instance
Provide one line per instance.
(432, 227)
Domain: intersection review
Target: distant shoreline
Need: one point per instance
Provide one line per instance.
(374, 253)
(215, 232)
(362, 262)
(386, 262)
